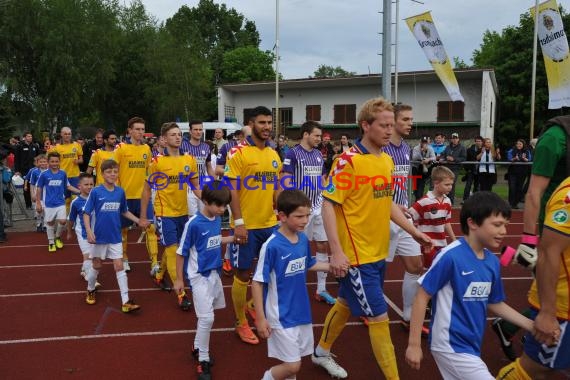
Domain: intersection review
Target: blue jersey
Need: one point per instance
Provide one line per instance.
(461, 286)
(28, 175)
(76, 216)
(401, 156)
(35, 175)
(307, 168)
(53, 187)
(105, 208)
(201, 245)
(282, 267)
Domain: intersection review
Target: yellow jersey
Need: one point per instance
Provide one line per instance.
(69, 153)
(133, 166)
(169, 176)
(256, 172)
(361, 190)
(557, 218)
(96, 160)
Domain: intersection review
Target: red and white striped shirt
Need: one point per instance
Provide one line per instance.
(430, 216)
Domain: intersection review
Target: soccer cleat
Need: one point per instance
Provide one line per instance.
(330, 365)
(196, 356)
(129, 307)
(325, 296)
(227, 268)
(406, 326)
(83, 274)
(183, 302)
(58, 243)
(126, 266)
(504, 340)
(51, 248)
(39, 229)
(98, 285)
(155, 269)
(161, 283)
(203, 370)
(246, 335)
(250, 309)
(90, 297)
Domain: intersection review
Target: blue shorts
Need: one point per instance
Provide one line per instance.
(73, 181)
(134, 206)
(242, 255)
(363, 289)
(555, 357)
(170, 229)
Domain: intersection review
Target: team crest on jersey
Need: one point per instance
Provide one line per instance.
(227, 169)
(331, 189)
(560, 217)
(144, 156)
(318, 159)
(203, 152)
(274, 163)
(186, 168)
(74, 150)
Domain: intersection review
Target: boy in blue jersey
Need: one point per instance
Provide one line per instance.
(41, 166)
(102, 220)
(464, 281)
(198, 259)
(75, 221)
(279, 287)
(50, 199)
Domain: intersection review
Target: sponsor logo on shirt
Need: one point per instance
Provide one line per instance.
(214, 241)
(295, 266)
(136, 164)
(313, 170)
(477, 291)
(55, 182)
(110, 206)
(287, 161)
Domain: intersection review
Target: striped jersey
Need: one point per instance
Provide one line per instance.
(307, 169)
(223, 153)
(430, 215)
(201, 153)
(401, 156)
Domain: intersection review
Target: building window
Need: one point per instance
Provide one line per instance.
(344, 113)
(229, 114)
(285, 116)
(450, 111)
(313, 112)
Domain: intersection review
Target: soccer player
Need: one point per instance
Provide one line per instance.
(358, 235)
(546, 348)
(401, 243)
(279, 287)
(100, 155)
(463, 283)
(198, 259)
(303, 168)
(256, 166)
(71, 154)
(50, 199)
(41, 166)
(102, 220)
(169, 176)
(134, 160)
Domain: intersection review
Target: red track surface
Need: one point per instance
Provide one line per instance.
(49, 332)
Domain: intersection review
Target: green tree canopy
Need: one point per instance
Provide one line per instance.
(247, 64)
(326, 71)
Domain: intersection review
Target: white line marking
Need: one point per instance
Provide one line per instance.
(394, 307)
(45, 245)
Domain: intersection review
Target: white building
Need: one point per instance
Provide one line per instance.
(334, 102)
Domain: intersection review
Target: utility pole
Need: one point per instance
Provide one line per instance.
(387, 50)
(276, 122)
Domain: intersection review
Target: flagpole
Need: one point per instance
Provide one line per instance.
(277, 121)
(533, 85)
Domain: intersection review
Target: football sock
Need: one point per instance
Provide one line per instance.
(513, 371)
(59, 229)
(124, 235)
(334, 324)
(50, 229)
(92, 278)
(239, 295)
(123, 282)
(409, 290)
(383, 349)
(170, 256)
(202, 339)
(152, 245)
(322, 276)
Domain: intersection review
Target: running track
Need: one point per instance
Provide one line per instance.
(49, 332)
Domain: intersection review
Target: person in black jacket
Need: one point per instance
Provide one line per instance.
(327, 151)
(453, 155)
(24, 155)
(518, 173)
(471, 171)
(91, 146)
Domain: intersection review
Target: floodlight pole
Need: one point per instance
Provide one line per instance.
(533, 83)
(276, 122)
(387, 50)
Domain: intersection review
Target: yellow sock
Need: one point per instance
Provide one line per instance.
(124, 232)
(383, 349)
(152, 245)
(239, 296)
(334, 324)
(513, 371)
(162, 271)
(170, 255)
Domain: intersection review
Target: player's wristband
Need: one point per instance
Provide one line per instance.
(529, 239)
(239, 222)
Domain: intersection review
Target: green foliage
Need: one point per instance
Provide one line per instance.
(325, 71)
(458, 63)
(247, 64)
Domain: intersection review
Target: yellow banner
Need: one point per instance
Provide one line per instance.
(554, 45)
(426, 34)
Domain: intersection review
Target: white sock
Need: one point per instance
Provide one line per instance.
(319, 351)
(50, 233)
(58, 230)
(92, 278)
(202, 339)
(87, 265)
(267, 375)
(409, 290)
(123, 282)
(322, 276)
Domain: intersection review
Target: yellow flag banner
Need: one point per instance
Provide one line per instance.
(426, 34)
(554, 45)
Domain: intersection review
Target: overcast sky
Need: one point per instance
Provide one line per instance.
(345, 33)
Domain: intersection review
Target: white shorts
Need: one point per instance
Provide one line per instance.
(84, 245)
(54, 213)
(208, 294)
(315, 229)
(461, 366)
(289, 345)
(194, 203)
(107, 251)
(402, 243)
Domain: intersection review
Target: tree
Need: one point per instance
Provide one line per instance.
(325, 71)
(247, 64)
(458, 63)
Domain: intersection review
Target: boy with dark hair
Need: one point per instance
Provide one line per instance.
(279, 287)
(464, 281)
(198, 259)
(32, 181)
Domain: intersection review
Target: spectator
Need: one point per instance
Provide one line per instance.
(438, 145)
(423, 157)
(24, 154)
(282, 147)
(345, 144)
(91, 146)
(219, 140)
(487, 169)
(518, 173)
(46, 145)
(453, 155)
(471, 172)
(327, 151)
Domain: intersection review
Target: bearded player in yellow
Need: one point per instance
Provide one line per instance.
(170, 174)
(134, 159)
(100, 155)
